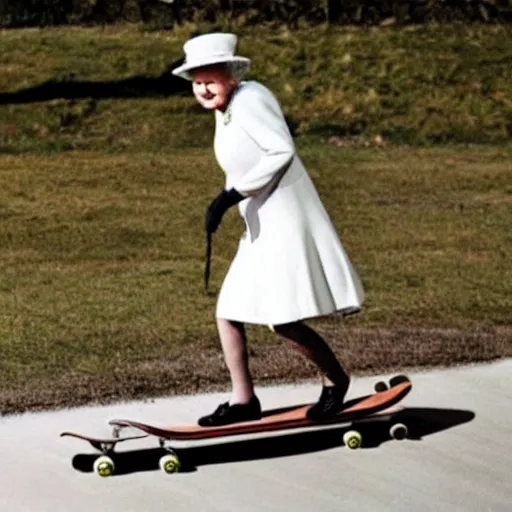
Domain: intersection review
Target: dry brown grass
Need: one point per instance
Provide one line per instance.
(101, 260)
(363, 351)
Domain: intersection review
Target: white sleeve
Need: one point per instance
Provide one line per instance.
(263, 121)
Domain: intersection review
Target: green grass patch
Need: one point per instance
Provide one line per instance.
(105, 88)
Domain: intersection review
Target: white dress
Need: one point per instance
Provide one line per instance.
(290, 264)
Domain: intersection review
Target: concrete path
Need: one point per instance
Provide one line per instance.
(460, 460)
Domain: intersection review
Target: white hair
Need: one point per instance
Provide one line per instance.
(237, 69)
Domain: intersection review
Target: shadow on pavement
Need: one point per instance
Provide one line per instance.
(421, 422)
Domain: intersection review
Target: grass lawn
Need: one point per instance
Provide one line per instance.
(102, 260)
(102, 203)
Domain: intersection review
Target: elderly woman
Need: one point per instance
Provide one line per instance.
(290, 264)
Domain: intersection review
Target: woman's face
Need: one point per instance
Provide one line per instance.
(212, 87)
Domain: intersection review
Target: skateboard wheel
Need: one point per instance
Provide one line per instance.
(170, 463)
(104, 466)
(380, 386)
(398, 431)
(398, 379)
(352, 439)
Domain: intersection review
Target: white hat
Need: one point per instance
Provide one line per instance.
(210, 49)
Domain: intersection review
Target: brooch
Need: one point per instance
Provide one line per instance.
(226, 116)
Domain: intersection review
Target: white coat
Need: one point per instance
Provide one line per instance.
(290, 264)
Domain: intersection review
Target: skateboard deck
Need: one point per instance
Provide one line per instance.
(289, 419)
(358, 409)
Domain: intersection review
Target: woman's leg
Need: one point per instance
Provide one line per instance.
(234, 346)
(335, 379)
(303, 338)
(244, 404)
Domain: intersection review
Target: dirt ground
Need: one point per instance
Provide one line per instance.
(362, 351)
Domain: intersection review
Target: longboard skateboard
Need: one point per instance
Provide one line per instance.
(356, 410)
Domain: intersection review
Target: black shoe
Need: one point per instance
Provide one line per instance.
(226, 414)
(332, 401)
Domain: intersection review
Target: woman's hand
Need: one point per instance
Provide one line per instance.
(218, 207)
